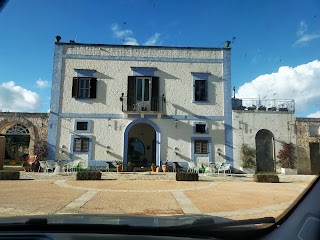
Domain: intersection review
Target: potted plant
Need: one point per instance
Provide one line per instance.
(165, 167)
(287, 158)
(247, 155)
(119, 166)
(153, 167)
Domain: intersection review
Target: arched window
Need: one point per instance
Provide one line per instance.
(18, 129)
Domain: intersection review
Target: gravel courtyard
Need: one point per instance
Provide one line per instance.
(231, 197)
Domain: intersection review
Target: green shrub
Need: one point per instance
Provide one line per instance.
(89, 175)
(266, 177)
(9, 175)
(248, 155)
(187, 176)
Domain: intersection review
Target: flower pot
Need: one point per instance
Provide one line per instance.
(289, 171)
(153, 168)
(165, 168)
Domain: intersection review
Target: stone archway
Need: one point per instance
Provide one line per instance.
(19, 127)
(265, 151)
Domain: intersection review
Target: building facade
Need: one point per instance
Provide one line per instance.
(263, 125)
(308, 145)
(140, 104)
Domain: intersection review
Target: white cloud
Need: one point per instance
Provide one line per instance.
(153, 40)
(120, 33)
(14, 98)
(127, 36)
(300, 83)
(303, 36)
(42, 83)
(130, 41)
(314, 115)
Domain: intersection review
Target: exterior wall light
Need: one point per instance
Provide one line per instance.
(176, 122)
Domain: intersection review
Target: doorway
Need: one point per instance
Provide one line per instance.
(265, 151)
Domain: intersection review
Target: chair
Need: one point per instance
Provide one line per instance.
(226, 167)
(73, 165)
(107, 167)
(174, 167)
(42, 165)
(50, 165)
(192, 167)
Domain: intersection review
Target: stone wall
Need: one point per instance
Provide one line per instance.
(303, 139)
(36, 123)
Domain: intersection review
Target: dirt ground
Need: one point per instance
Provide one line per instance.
(230, 199)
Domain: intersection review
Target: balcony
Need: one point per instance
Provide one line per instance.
(271, 105)
(146, 105)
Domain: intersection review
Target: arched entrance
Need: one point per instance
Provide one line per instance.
(142, 143)
(17, 141)
(265, 151)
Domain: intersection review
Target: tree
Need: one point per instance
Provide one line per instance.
(14, 143)
(40, 149)
(248, 155)
(287, 155)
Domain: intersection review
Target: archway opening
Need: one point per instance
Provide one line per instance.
(265, 154)
(17, 143)
(141, 145)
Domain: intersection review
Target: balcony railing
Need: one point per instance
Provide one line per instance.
(153, 104)
(282, 105)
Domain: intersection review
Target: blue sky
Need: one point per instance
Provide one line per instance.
(265, 35)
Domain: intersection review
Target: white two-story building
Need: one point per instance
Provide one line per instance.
(140, 104)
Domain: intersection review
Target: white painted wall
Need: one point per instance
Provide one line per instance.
(176, 84)
(246, 125)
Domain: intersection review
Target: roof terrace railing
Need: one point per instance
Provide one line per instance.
(252, 104)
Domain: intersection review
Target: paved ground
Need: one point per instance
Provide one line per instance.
(231, 197)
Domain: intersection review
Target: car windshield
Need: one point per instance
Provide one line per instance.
(157, 113)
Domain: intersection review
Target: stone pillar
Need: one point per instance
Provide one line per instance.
(2, 150)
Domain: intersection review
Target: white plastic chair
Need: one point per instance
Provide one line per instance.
(42, 165)
(174, 167)
(72, 166)
(107, 167)
(226, 168)
(50, 165)
(192, 167)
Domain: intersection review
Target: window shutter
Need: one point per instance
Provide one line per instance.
(131, 93)
(155, 94)
(75, 87)
(93, 88)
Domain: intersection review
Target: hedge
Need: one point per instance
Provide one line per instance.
(9, 175)
(187, 176)
(266, 177)
(89, 175)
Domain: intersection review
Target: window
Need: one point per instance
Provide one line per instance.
(143, 93)
(84, 87)
(200, 90)
(201, 146)
(200, 128)
(81, 144)
(314, 130)
(200, 87)
(82, 126)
